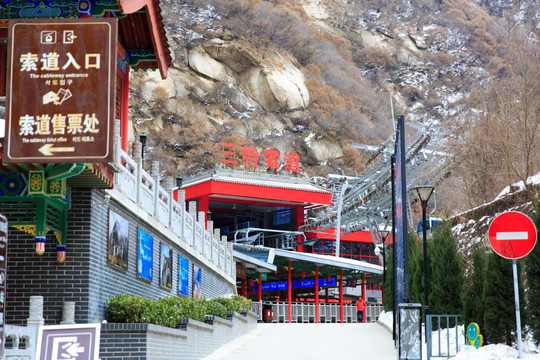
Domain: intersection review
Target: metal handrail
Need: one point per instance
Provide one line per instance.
(429, 335)
(286, 239)
(303, 312)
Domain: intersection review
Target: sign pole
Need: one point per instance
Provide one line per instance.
(518, 317)
(513, 235)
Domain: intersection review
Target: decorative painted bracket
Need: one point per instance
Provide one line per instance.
(39, 203)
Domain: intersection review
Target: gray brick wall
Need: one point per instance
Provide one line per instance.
(85, 277)
(129, 341)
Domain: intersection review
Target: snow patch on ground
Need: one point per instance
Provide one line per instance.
(467, 352)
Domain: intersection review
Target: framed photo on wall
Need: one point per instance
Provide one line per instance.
(165, 267)
(117, 241)
(183, 276)
(145, 255)
(197, 282)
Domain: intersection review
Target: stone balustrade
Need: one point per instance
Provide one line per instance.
(154, 195)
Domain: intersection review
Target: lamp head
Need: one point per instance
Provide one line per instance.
(142, 138)
(384, 235)
(423, 192)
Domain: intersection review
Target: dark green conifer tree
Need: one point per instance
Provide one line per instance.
(388, 298)
(532, 269)
(472, 303)
(446, 278)
(416, 270)
(498, 299)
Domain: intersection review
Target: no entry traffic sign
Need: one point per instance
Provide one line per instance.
(512, 235)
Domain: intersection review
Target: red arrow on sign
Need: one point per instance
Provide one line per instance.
(512, 235)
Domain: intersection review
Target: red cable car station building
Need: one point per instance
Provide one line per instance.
(262, 214)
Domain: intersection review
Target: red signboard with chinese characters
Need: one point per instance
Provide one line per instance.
(250, 158)
(61, 90)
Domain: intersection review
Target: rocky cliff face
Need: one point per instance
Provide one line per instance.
(234, 88)
(315, 76)
(260, 94)
(272, 83)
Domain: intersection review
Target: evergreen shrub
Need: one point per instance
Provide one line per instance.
(168, 310)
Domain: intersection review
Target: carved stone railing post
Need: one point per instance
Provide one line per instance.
(231, 270)
(68, 312)
(182, 198)
(223, 252)
(192, 209)
(117, 143)
(210, 226)
(210, 230)
(154, 173)
(35, 319)
(168, 186)
(35, 311)
(201, 219)
(137, 157)
(216, 244)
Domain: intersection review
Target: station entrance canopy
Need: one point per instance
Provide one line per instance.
(303, 266)
(299, 274)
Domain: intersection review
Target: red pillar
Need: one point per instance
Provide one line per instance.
(124, 127)
(289, 290)
(364, 295)
(244, 288)
(316, 293)
(259, 289)
(204, 204)
(341, 295)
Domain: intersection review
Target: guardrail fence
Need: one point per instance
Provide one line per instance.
(445, 340)
(328, 312)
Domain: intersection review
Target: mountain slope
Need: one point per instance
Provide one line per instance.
(317, 76)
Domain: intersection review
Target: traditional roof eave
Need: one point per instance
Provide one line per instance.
(141, 20)
(222, 184)
(131, 6)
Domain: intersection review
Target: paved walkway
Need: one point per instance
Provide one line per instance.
(311, 342)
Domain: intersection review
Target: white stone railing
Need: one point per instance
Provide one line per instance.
(21, 340)
(154, 196)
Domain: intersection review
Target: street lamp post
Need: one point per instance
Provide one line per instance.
(423, 193)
